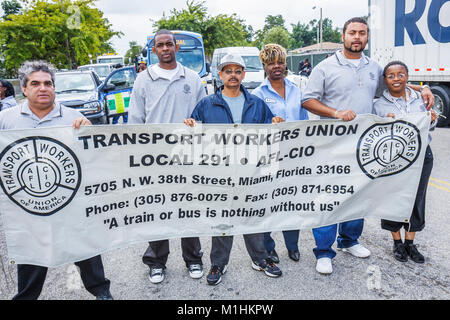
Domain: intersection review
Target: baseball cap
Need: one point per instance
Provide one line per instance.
(231, 59)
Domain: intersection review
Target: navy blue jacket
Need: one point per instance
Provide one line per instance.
(214, 109)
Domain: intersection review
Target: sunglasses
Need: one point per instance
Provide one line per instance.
(230, 72)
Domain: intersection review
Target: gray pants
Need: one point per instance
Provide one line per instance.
(221, 248)
(158, 252)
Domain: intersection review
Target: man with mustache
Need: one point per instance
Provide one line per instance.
(341, 87)
(233, 104)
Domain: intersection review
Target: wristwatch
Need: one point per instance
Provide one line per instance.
(423, 87)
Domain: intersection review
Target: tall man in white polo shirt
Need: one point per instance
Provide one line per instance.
(40, 110)
(167, 92)
(341, 87)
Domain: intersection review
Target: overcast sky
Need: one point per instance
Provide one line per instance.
(133, 17)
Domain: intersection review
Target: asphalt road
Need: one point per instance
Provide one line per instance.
(378, 277)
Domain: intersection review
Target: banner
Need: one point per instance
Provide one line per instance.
(68, 195)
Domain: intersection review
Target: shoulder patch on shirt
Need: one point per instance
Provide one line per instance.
(268, 100)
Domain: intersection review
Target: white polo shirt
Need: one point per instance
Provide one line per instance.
(21, 117)
(341, 85)
(157, 100)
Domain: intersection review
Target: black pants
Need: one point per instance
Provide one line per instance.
(221, 248)
(158, 252)
(417, 220)
(31, 278)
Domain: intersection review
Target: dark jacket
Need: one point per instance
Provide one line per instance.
(214, 109)
(305, 70)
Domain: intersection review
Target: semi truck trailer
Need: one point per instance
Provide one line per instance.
(416, 32)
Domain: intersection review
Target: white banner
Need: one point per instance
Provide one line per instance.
(69, 195)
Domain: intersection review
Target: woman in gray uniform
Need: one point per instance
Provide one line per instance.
(399, 100)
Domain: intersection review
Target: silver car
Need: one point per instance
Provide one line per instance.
(79, 90)
(102, 69)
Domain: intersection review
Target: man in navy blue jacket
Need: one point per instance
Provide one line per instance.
(233, 104)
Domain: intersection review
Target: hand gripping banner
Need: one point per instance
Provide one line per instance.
(68, 195)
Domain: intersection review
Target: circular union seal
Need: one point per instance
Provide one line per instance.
(388, 149)
(39, 174)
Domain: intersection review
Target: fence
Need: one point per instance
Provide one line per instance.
(314, 58)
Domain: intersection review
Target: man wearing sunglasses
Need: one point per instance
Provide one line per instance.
(232, 103)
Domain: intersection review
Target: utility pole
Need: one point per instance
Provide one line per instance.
(320, 28)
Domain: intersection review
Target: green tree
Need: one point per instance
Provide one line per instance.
(225, 31)
(330, 34)
(10, 7)
(270, 23)
(63, 32)
(278, 35)
(304, 35)
(135, 50)
(250, 33)
(192, 18)
(300, 35)
(274, 21)
(258, 39)
(219, 31)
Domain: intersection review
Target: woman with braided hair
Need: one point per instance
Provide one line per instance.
(284, 99)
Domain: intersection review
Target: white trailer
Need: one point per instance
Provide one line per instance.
(111, 58)
(416, 32)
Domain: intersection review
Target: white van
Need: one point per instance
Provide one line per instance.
(254, 71)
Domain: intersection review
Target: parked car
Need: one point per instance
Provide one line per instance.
(79, 90)
(115, 91)
(98, 101)
(102, 69)
(300, 81)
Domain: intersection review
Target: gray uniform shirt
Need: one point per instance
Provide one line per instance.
(398, 106)
(21, 117)
(341, 85)
(7, 103)
(158, 100)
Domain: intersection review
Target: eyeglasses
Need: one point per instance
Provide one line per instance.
(393, 76)
(229, 72)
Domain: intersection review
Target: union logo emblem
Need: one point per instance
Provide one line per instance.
(39, 174)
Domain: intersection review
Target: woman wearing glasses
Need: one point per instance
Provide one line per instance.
(396, 101)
